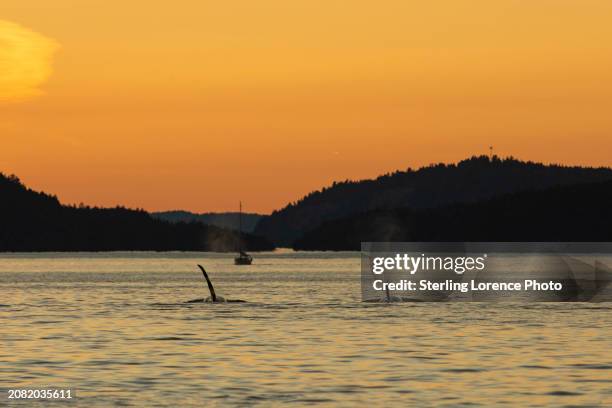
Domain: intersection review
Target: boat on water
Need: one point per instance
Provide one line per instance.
(243, 258)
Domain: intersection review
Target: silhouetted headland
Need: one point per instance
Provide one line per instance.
(474, 180)
(576, 213)
(478, 199)
(35, 221)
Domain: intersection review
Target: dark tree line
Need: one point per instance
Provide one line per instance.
(227, 220)
(34, 221)
(472, 180)
(577, 213)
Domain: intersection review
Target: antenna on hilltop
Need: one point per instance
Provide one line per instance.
(491, 153)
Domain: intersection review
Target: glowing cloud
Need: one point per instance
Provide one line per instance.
(25, 61)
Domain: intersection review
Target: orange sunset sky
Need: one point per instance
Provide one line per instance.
(195, 104)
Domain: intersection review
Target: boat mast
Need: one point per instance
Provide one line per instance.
(240, 227)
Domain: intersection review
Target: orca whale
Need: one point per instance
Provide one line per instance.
(213, 298)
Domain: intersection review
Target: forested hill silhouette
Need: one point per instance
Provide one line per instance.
(227, 220)
(34, 221)
(475, 179)
(576, 213)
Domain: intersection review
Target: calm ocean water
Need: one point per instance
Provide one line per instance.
(115, 328)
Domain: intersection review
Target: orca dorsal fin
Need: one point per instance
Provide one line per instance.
(213, 296)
